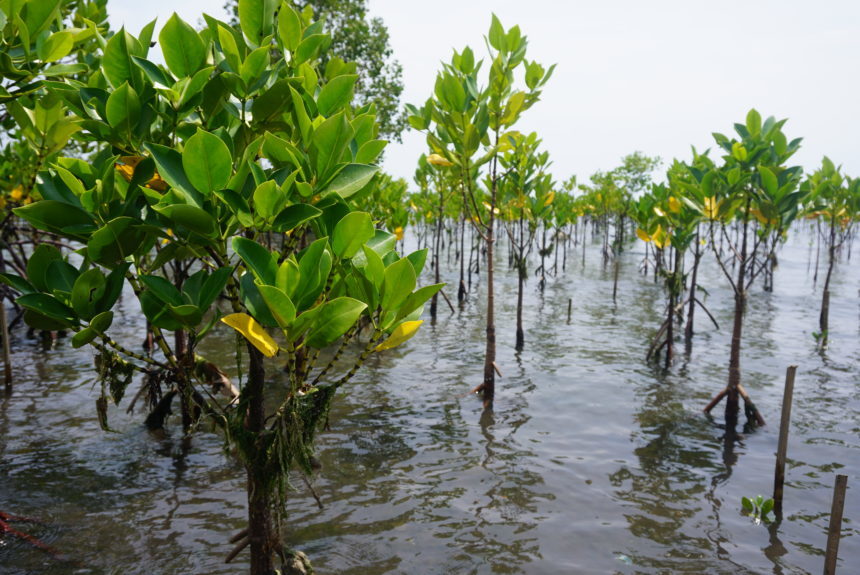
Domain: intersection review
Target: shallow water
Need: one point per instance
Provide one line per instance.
(593, 461)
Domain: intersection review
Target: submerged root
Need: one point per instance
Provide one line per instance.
(6, 529)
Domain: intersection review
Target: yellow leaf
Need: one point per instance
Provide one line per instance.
(759, 216)
(253, 332)
(640, 233)
(17, 193)
(438, 160)
(488, 206)
(400, 334)
(659, 212)
(398, 233)
(549, 198)
(126, 165)
(712, 207)
(674, 205)
(661, 238)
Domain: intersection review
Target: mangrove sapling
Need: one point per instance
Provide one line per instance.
(528, 195)
(463, 118)
(669, 224)
(834, 200)
(443, 191)
(752, 177)
(189, 224)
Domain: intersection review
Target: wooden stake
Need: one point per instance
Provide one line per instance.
(779, 474)
(569, 308)
(834, 531)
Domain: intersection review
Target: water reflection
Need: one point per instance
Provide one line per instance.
(592, 461)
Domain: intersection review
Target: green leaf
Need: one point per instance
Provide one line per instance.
(293, 216)
(334, 319)
(753, 123)
(418, 258)
(89, 288)
(162, 289)
(253, 301)
(350, 233)
(37, 266)
(311, 47)
(50, 307)
(399, 282)
(328, 143)
(123, 110)
(371, 266)
(17, 283)
(768, 181)
(282, 308)
(157, 312)
(183, 49)
(369, 151)
(497, 34)
(116, 62)
(230, 48)
(269, 200)
(61, 277)
(747, 503)
(289, 27)
(115, 241)
(314, 268)
(382, 242)
(256, 18)
(170, 168)
(38, 14)
(258, 259)
(213, 286)
(55, 216)
(113, 288)
(98, 326)
(417, 299)
(766, 507)
(336, 94)
(351, 179)
(57, 46)
(191, 218)
(188, 315)
(207, 162)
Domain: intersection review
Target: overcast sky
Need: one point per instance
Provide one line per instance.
(656, 76)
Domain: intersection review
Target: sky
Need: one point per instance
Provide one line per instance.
(657, 76)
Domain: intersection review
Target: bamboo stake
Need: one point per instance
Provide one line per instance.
(779, 474)
(835, 529)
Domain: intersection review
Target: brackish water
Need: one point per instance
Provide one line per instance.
(593, 461)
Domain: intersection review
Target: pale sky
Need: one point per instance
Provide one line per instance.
(656, 76)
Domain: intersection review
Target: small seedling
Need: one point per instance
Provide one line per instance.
(758, 508)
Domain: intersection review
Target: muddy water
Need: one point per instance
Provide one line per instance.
(593, 461)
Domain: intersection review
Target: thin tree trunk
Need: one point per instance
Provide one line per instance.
(261, 528)
(732, 403)
(436, 249)
(461, 293)
(489, 384)
(697, 256)
(824, 318)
